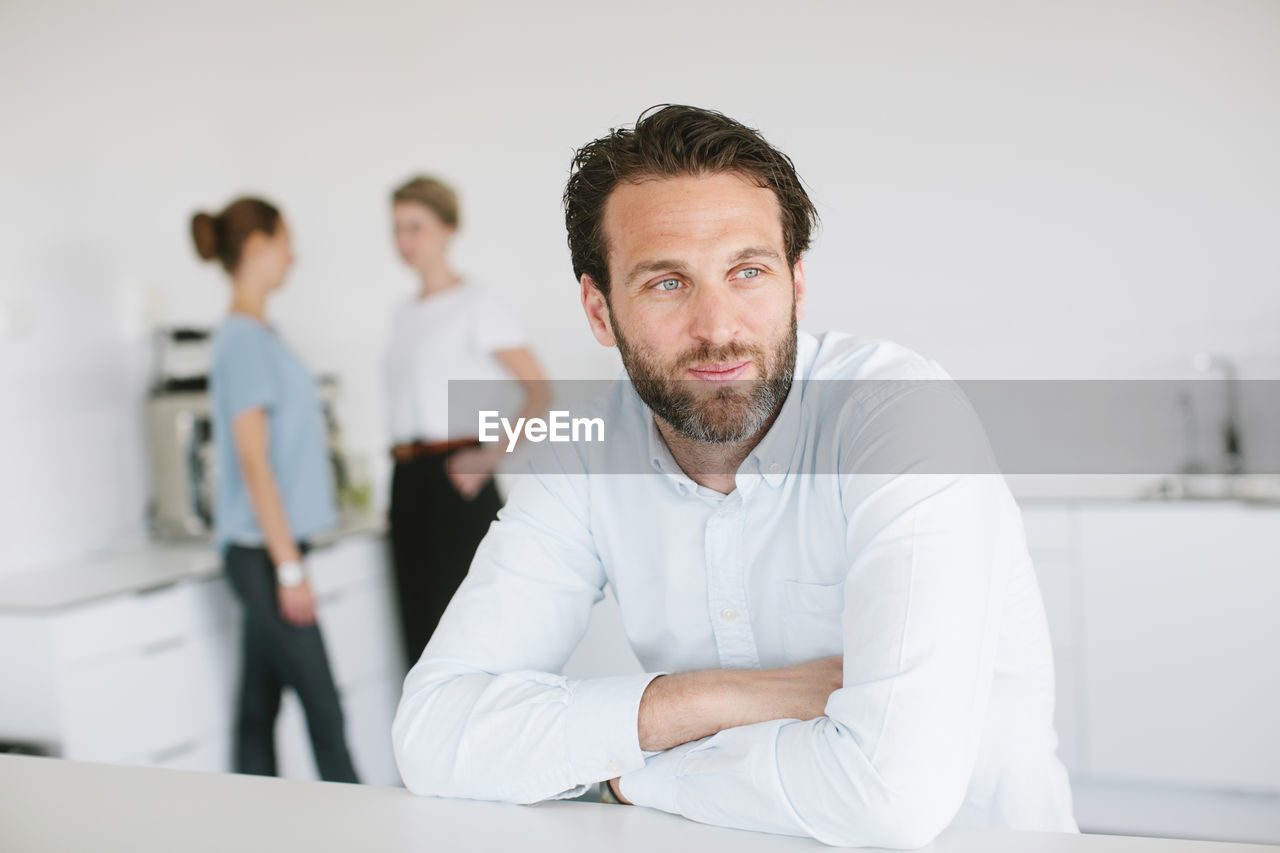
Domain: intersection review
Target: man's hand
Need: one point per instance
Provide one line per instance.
(676, 709)
(297, 604)
(617, 791)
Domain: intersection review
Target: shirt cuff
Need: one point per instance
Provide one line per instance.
(654, 784)
(604, 725)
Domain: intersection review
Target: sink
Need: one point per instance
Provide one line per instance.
(1249, 488)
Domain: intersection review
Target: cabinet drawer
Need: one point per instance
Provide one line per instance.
(351, 561)
(124, 623)
(1178, 636)
(359, 626)
(212, 755)
(148, 702)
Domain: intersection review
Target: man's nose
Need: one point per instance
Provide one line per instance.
(714, 316)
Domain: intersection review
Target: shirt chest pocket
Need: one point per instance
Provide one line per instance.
(811, 617)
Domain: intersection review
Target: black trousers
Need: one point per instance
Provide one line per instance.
(277, 654)
(434, 535)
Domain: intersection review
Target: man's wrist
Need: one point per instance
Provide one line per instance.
(676, 709)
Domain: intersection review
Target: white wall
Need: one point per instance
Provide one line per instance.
(1017, 189)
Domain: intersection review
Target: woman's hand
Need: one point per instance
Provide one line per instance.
(470, 469)
(297, 604)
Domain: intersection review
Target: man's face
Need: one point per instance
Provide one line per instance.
(702, 304)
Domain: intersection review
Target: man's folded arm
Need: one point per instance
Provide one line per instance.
(889, 763)
(484, 714)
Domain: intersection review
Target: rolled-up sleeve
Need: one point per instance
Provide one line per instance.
(484, 714)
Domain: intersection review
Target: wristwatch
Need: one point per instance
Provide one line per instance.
(290, 574)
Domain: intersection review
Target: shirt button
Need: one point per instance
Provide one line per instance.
(728, 614)
(613, 767)
(775, 468)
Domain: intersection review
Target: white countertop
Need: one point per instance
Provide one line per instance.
(1150, 489)
(147, 565)
(51, 804)
(139, 567)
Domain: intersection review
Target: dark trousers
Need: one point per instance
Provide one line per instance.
(277, 654)
(434, 535)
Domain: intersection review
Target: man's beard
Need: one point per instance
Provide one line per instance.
(735, 410)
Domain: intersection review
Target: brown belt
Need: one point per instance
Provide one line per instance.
(414, 449)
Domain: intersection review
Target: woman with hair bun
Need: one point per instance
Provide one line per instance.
(274, 491)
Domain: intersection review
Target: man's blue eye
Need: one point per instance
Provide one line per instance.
(674, 282)
(750, 273)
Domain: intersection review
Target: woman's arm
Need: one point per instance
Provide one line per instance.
(469, 470)
(250, 431)
(522, 364)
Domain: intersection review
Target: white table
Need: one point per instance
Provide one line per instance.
(52, 804)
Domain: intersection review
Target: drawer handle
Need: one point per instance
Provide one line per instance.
(156, 590)
(165, 645)
(173, 752)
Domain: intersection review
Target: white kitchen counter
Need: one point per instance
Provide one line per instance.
(140, 567)
(51, 804)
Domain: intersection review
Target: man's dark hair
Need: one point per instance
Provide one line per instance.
(669, 141)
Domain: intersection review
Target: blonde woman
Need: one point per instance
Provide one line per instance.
(442, 494)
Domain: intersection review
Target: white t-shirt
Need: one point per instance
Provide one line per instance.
(452, 334)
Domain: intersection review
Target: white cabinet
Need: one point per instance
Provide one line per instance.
(140, 707)
(1166, 630)
(152, 677)
(1181, 628)
(1052, 540)
(131, 678)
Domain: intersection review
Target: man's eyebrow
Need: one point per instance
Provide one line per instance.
(645, 267)
(761, 252)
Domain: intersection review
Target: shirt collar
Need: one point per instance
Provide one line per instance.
(659, 454)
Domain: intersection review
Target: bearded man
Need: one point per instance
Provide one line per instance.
(839, 623)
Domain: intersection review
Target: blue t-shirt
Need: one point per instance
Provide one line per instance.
(252, 368)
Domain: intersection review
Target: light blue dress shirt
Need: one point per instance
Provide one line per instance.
(252, 368)
(922, 581)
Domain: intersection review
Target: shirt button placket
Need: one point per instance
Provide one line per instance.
(726, 592)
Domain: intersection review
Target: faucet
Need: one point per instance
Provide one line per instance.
(1233, 453)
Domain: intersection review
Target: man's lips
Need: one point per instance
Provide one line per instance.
(724, 371)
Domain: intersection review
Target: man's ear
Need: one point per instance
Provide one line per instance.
(797, 275)
(597, 308)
